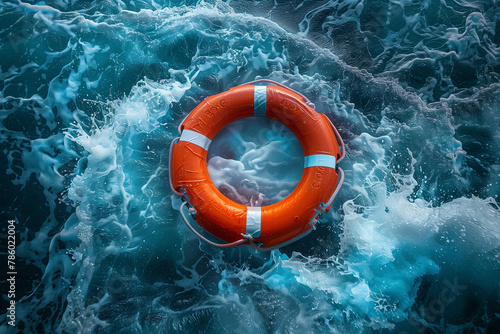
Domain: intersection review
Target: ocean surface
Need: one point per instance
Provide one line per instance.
(92, 93)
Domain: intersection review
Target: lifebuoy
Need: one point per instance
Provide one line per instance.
(271, 225)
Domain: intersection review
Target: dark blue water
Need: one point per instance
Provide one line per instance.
(92, 92)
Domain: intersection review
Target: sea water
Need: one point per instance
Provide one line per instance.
(255, 161)
(92, 93)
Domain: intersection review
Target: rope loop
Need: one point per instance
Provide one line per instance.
(202, 237)
(247, 237)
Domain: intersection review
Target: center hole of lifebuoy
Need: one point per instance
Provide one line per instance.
(255, 161)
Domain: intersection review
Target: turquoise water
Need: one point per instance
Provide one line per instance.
(255, 161)
(92, 93)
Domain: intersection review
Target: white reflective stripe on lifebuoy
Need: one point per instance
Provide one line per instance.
(260, 100)
(319, 160)
(195, 138)
(254, 221)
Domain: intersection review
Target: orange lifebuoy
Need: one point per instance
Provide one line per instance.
(270, 225)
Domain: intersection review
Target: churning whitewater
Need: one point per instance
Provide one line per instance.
(92, 93)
